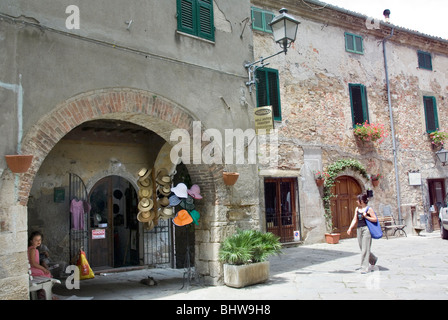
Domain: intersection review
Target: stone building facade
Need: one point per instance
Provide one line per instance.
(94, 91)
(336, 52)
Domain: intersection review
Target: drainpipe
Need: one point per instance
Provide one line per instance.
(17, 88)
(391, 117)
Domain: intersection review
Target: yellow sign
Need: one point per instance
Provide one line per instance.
(264, 119)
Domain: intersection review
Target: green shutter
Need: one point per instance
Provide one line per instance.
(424, 60)
(195, 17)
(354, 43)
(185, 16)
(431, 118)
(205, 20)
(359, 104)
(268, 91)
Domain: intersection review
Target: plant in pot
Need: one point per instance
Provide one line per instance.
(438, 138)
(376, 179)
(367, 132)
(320, 177)
(244, 257)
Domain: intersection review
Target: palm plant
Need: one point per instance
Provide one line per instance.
(249, 246)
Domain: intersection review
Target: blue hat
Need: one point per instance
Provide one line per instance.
(174, 200)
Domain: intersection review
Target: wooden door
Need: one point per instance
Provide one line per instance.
(101, 224)
(280, 204)
(344, 204)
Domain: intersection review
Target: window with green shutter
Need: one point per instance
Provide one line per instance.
(268, 90)
(431, 118)
(195, 17)
(358, 99)
(354, 43)
(261, 19)
(424, 60)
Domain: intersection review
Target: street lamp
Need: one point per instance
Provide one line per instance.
(284, 28)
(442, 155)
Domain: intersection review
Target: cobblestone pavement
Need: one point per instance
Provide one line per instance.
(413, 267)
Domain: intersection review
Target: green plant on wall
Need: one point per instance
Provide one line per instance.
(333, 171)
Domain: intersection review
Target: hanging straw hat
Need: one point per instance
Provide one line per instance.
(163, 178)
(145, 204)
(195, 192)
(144, 183)
(182, 218)
(145, 193)
(187, 203)
(164, 201)
(180, 190)
(166, 213)
(145, 216)
(164, 190)
(149, 225)
(144, 173)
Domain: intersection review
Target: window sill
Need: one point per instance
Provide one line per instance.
(194, 37)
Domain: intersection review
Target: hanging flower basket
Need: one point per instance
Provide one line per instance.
(230, 178)
(320, 182)
(320, 177)
(19, 163)
(376, 179)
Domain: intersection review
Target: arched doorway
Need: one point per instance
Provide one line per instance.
(343, 205)
(113, 226)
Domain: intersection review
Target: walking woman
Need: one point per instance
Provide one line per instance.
(362, 212)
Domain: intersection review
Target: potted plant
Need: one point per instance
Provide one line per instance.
(367, 132)
(438, 138)
(244, 257)
(376, 179)
(19, 163)
(320, 177)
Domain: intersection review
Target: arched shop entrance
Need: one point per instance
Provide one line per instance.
(103, 136)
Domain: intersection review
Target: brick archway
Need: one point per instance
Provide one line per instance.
(137, 106)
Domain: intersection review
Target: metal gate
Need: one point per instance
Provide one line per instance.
(158, 244)
(79, 228)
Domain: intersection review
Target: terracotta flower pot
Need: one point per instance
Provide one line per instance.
(230, 178)
(19, 163)
(332, 238)
(320, 182)
(375, 183)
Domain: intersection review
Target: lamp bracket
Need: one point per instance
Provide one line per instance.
(252, 67)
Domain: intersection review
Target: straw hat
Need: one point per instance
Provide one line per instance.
(164, 190)
(164, 201)
(145, 193)
(145, 216)
(166, 213)
(144, 173)
(180, 190)
(163, 177)
(149, 225)
(195, 192)
(182, 218)
(145, 204)
(144, 183)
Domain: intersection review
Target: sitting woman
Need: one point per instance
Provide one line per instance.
(34, 241)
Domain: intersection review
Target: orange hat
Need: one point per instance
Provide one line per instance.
(182, 218)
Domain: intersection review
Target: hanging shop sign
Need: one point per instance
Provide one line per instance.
(264, 120)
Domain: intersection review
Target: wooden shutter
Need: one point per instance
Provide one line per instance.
(268, 91)
(185, 16)
(196, 17)
(432, 121)
(424, 60)
(358, 98)
(205, 19)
